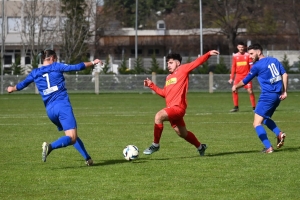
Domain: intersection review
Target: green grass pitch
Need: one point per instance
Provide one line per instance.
(233, 167)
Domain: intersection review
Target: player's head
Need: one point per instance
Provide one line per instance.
(173, 61)
(241, 47)
(48, 55)
(255, 51)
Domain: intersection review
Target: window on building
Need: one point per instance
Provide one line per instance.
(8, 59)
(62, 22)
(153, 51)
(49, 23)
(32, 24)
(14, 25)
(140, 51)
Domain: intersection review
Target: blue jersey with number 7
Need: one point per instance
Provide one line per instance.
(50, 81)
(269, 73)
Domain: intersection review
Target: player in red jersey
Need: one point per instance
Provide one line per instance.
(241, 64)
(174, 92)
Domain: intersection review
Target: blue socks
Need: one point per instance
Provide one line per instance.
(61, 142)
(66, 141)
(272, 126)
(80, 147)
(262, 134)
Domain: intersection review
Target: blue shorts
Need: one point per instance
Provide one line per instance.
(61, 114)
(267, 104)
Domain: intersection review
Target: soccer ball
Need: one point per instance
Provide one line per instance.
(131, 152)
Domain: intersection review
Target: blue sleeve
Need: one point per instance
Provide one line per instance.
(281, 68)
(68, 68)
(253, 72)
(23, 84)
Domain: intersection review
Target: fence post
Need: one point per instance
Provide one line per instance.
(210, 82)
(153, 80)
(96, 82)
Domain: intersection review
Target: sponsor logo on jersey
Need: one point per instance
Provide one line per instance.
(171, 81)
(241, 63)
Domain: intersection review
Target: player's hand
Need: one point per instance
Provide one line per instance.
(214, 52)
(97, 61)
(11, 89)
(147, 82)
(230, 81)
(233, 88)
(283, 96)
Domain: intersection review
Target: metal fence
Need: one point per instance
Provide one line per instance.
(134, 83)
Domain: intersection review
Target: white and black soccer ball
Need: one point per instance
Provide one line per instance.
(131, 152)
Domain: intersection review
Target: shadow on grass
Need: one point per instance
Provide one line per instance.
(291, 149)
(119, 161)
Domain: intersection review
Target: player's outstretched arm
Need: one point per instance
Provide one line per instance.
(92, 63)
(11, 89)
(214, 52)
(147, 82)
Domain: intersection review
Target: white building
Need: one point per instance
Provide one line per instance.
(33, 25)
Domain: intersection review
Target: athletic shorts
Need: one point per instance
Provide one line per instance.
(267, 104)
(175, 114)
(61, 114)
(239, 78)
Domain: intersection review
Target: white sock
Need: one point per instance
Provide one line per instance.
(154, 144)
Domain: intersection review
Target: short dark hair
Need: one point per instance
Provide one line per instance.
(47, 53)
(241, 43)
(255, 47)
(174, 56)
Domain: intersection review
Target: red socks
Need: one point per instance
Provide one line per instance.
(191, 138)
(252, 99)
(158, 129)
(235, 99)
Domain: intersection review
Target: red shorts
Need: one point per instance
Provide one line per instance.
(175, 114)
(239, 78)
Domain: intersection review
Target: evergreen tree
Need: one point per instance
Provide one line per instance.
(221, 67)
(106, 66)
(139, 66)
(285, 62)
(155, 66)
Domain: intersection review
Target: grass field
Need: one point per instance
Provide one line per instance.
(233, 167)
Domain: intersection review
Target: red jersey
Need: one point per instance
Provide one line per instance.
(176, 85)
(241, 64)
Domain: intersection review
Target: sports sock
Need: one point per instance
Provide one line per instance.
(191, 138)
(79, 146)
(252, 99)
(272, 126)
(158, 129)
(262, 134)
(235, 97)
(61, 142)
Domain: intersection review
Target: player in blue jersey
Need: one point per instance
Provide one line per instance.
(50, 81)
(272, 78)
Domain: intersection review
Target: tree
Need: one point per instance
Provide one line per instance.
(77, 30)
(147, 9)
(38, 30)
(155, 66)
(106, 66)
(286, 63)
(138, 66)
(230, 16)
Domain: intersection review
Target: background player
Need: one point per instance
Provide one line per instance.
(50, 82)
(241, 64)
(272, 78)
(174, 92)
